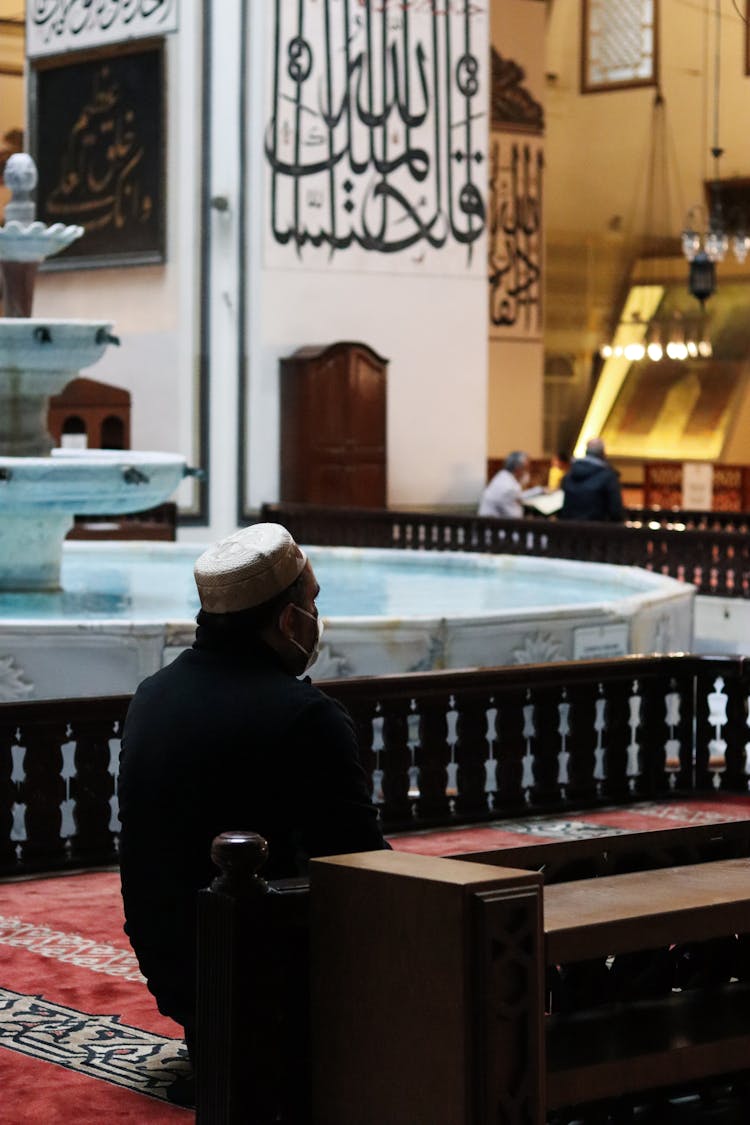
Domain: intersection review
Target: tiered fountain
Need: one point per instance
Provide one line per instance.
(41, 488)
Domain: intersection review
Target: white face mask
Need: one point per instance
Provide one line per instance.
(314, 652)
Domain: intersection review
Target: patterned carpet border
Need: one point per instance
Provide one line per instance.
(95, 1046)
(98, 957)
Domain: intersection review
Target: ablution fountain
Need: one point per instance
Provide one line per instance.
(41, 489)
(95, 618)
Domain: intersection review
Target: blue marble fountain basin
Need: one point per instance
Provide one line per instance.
(127, 608)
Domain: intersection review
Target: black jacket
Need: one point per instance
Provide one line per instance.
(225, 739)
(592, 491)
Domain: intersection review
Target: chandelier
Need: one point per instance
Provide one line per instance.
(716, 239)
(704, 247)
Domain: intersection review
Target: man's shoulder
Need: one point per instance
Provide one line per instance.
(312, 700)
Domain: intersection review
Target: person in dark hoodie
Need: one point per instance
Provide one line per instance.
(592, 487)
(228, 737)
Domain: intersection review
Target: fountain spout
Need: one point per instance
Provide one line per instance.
(23, 241)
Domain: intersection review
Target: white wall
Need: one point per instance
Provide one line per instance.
(432, 329)
(152, 308)
(433, 332)
(516, 365)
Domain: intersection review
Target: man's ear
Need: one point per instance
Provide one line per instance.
(286, 618)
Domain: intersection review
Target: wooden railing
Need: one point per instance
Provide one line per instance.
(661, 482)
(439, 748)
(680, 519)
(716, 562)
(59, 763)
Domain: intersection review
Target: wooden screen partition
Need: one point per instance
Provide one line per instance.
(663, 486)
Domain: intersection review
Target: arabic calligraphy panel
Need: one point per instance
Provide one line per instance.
(99, 142)
(54, 26)
(515, 236)
(376, 136)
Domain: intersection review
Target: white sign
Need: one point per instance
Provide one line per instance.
(698, 486)
(56, 26)
(600, 641)
(376, 136)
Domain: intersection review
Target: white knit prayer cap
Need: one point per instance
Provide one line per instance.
(248, 568)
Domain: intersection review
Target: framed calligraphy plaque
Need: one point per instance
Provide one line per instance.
(98, 137)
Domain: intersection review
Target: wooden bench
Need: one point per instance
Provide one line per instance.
(428, 991)
(623, 1048)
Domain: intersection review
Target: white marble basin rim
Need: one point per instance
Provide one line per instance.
(635, 587)
(89, 482)
(36, 346)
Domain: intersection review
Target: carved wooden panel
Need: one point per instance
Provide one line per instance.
(509, 1054)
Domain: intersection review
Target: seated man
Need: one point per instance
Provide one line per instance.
(592, 487)
(225, 738)
(504, 494)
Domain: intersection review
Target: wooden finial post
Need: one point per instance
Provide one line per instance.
(239, 857)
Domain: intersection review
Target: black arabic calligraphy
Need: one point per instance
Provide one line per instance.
(377, 110)
(57, 18)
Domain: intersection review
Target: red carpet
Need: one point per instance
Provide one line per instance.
(80, 1038)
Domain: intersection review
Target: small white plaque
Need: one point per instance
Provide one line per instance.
(600, 640)
(698, 486)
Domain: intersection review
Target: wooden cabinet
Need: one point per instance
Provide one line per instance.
(333, 426)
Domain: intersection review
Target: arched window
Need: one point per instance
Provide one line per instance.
(73, 434)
